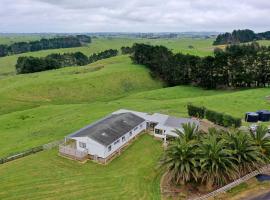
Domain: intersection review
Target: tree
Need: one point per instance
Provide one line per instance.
(180, 161)
(217, 164)
(189, 133)
(261, 139)
(247, 155)
(51, 43)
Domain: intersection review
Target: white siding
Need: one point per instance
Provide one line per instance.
(93, 147)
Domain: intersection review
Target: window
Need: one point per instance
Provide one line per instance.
(141, 126)
(116, 142)
(130, 133)
(158, 131)
(82, 145)
(123, 139)
(135, 128)
(109, 148)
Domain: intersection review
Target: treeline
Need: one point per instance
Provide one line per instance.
(52, 43)
(31, 64)
(126, 50)
(102, 55)
(240, 36)
(236, 66)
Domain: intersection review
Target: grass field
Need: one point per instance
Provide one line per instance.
(42, 107)
(47, 176)
(201, 47)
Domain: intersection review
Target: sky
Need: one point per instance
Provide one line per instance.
(133, 15)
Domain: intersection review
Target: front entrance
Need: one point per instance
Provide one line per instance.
(151, 126)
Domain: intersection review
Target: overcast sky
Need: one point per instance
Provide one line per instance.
(133, 15)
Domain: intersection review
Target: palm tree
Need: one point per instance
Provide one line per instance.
(180, 161)
(217, 163)
(247, 155)
(261, 138)
(190, 131)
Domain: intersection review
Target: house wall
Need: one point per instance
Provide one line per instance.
(93, 147)
(115, 147)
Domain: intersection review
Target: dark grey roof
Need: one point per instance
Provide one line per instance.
(109, 129)
(178, 122)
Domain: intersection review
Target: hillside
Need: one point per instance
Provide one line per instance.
(43, 107)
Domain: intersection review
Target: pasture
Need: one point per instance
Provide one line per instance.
(200, 47)
(43, 107)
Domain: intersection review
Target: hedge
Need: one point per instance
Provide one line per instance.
(196, 111)
(213, 116)
(222, 119)
(21, 154)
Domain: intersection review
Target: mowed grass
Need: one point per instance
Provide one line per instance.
(45, 175)
(200, 47)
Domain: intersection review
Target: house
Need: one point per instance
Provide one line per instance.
(102, 139)
(105, 138)
(161, 125)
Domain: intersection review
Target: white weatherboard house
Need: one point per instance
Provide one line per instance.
(106, 137)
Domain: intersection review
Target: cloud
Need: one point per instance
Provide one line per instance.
(133, 15)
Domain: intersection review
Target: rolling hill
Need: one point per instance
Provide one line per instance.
(43, 107)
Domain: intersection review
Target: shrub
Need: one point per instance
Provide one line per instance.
(222, 119)
(196, 111)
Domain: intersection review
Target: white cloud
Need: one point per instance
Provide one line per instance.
(133, 15)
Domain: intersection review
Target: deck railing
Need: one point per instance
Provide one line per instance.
(73, 153)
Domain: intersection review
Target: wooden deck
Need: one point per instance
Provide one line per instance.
(71, 152)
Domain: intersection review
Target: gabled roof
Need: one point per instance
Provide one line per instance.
(110, 128)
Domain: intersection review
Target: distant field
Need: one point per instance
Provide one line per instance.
(22, 38)
(45, 175)
(201, 47)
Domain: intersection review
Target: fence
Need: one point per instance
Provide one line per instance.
(30, 151)
(52, 144)
(72, 153)
(233, 184)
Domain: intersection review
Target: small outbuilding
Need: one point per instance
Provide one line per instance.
(264, 115)
(252, 117)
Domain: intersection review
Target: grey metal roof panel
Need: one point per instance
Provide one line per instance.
(110, 128)
(178, 122)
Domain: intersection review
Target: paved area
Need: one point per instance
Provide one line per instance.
(265, 196)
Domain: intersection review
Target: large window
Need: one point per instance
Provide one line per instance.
(82, 145)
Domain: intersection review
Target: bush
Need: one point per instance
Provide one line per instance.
(196, 111)
(222, 119)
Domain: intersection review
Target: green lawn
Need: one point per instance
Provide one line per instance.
(47, 176)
